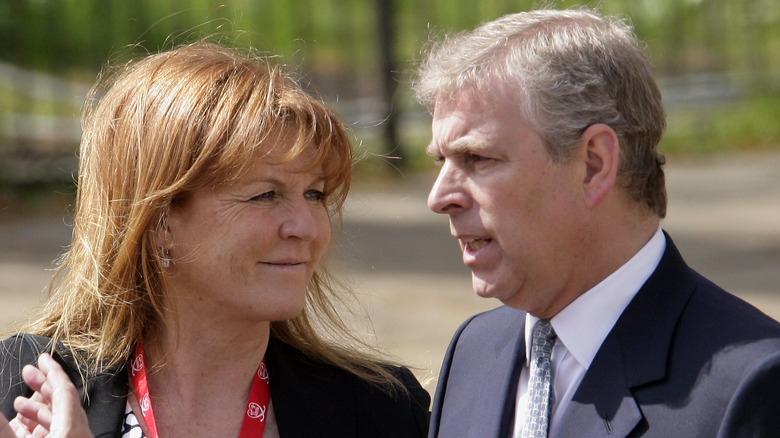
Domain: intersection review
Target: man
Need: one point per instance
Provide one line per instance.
(546, 125)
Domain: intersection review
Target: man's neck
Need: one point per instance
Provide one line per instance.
(609, 246)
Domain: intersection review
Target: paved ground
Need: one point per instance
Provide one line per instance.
(724, 214)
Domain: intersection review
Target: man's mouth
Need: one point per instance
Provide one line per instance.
(475, 244)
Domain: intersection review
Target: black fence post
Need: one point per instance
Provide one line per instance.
(385, 17)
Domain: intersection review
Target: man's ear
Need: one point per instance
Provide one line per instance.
(602, 159)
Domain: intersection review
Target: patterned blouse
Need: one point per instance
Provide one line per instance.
(130, 427)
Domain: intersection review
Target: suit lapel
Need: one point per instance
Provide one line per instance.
(603, 404)
(499, 390)
(634, 353)
(478, 384)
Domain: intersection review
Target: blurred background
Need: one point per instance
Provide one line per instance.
(718, 63)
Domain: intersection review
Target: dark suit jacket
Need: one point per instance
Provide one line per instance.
(685, 359)
(310, 399)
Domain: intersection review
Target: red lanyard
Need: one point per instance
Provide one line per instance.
(256, 405)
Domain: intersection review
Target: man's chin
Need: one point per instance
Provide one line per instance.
(482, 288)
(508, 295)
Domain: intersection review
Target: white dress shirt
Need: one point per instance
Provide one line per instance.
(581, 328)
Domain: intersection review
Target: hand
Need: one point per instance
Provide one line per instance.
(53, 411)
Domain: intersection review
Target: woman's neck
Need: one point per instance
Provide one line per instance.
(195, 370)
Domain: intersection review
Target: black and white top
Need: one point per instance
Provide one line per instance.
(130, 427)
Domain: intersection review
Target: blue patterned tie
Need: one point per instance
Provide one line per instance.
(540, 382)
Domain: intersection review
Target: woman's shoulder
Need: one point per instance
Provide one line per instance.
(334, 397)
(283, 358)
(411, 397)
(103, 395)
(24, 345)
(23, 349)
(414, 389)
(15, 352)
(19, 350)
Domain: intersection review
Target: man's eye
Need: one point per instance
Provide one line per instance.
(315, 195)
(474, 158)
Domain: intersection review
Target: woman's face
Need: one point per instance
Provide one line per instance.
(246, 251)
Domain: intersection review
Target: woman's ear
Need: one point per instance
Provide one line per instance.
(162, 240)
(161, 232)
(602, 160)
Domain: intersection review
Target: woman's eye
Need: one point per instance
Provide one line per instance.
(315, 195)
(267, 196)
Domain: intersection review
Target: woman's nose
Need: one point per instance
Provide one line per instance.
(302, 222)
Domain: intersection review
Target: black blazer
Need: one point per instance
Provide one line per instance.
(310, 399)
(685, 359)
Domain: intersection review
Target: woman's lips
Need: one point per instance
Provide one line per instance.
(285, 263)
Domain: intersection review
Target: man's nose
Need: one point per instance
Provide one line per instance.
(448, 194)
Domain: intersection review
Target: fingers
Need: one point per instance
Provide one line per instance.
(40, 432)
(5, 428)
(12, 429)
(55, 408)
(36, 410)
(70, 418)
(32, 413)
(36, 380)
(48, 378)
(27, 408)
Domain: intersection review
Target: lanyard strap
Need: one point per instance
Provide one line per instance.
(256, 406)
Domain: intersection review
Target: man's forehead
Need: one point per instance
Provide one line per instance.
(457, 123)
(465, 99)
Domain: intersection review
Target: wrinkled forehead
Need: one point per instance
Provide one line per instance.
(279, 169)
(478, 95)
(466, 121)
(286, 145)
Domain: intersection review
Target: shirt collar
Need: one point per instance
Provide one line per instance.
(583, 325)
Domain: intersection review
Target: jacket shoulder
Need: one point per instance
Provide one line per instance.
(392, 412)
(498, 325)
(103, 398)
(312, 398)
(753, 409)
(16, 352)
(478, 369)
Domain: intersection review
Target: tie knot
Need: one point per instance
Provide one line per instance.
(543, 338)
(543, 330)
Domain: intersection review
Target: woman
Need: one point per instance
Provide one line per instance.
(195, 299)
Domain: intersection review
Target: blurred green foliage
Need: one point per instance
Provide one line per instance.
(751, 123)
(333, 43)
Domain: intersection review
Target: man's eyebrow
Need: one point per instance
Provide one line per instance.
(461, 146)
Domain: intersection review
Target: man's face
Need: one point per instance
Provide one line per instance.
(515, 214)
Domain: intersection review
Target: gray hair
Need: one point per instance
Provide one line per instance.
(569, 69)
